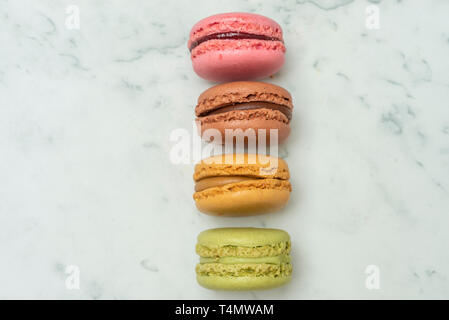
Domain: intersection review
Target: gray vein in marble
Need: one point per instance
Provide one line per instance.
(128, 85)
(364, 102)
(51, 23)
(430, 272)
(343, 76)
(254, 295)
(420, 70)
(395, 204)
(73, 43)
(333, 24)
(140, 53)
(391, 121)
(326, 4)
(95, 290)
(396, 83)
(147, 265)
(76, 63)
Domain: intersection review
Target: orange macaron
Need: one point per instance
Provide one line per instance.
(241, 185)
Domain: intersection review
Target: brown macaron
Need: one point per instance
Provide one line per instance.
(246, 105)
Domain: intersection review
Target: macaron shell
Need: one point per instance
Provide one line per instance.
(242, 91)
(241, 126)
(254, 165)
(245, 237)
(246, 198)
(238, 59)
(237, 22)
(241, 283)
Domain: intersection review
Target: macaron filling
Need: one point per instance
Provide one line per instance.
(283, 258)
(212, 182)
(244, 270)
(236, 35)
(275, 249)
(271, 260)
(251, 106)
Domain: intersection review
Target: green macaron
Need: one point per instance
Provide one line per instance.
(243, 258)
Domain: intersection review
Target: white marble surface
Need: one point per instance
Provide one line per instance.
(85, 178)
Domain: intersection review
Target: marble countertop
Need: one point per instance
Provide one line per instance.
(87, 188)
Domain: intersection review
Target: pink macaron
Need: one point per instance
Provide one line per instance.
(236, 46)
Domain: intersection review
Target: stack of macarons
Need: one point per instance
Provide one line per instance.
(236, 49)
